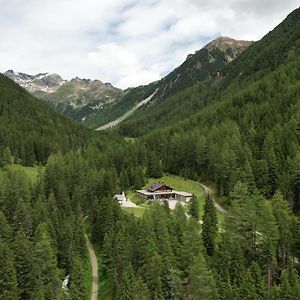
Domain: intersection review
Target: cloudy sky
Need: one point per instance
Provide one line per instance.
(125, 42)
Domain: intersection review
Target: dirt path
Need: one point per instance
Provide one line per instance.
(217, 205)
(94, 268)
(208, 191)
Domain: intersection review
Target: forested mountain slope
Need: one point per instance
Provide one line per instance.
(30, 130)
(253, 64)
(245, 140)
(204, 64)
(250, 131)
(82, 99)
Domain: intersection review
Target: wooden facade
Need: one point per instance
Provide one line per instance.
(161, 191)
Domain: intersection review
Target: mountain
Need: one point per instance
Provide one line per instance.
(42, 82)
(81, 99)
(177, 93)
(258, 60)
(198, 67)
(78, 98)
(202, 65)
(95, 103)
(242, 127)
(237, 131)
(30, 130)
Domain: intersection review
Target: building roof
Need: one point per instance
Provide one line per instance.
(185, 194)
(121, 197)
(156, 185)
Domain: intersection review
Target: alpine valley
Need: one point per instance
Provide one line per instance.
(190, 190)
(95, 103)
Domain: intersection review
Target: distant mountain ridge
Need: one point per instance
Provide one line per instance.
(203, 65)
(77, 98)
(42, 82)
(96, 103)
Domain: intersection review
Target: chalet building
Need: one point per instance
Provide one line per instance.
(161, 191)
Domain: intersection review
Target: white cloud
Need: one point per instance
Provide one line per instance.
(126, 42)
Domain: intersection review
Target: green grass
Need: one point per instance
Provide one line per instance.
(180, 184)
(31, 172)
(136, 211)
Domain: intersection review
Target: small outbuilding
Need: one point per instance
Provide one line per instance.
(121, 198)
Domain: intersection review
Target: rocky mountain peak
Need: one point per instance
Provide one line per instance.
(231, 47)
(41, 82)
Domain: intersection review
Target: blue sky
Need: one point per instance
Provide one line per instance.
(125, 42)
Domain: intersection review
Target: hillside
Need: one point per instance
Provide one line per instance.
(248, 127)
(250, 66)
(231, 137)
(95, 103)
(30, 130)
(82, 99)
(204, 64)
(198, 67)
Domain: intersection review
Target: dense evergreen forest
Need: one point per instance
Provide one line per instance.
(245, 141)
(248, 129)
(30, 131)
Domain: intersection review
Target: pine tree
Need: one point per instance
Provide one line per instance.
(5, 229)
(194, 208)
(6, 158)
(23, 217)
(44, 262)
(229, 260)
(77, 280)
(38, 292)
(8, 279)
(152, 276)
(202, 285)
(24, 265)
(154, 168)
(209, 228)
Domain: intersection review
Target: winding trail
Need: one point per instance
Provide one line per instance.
(94, 263)
(208, 191)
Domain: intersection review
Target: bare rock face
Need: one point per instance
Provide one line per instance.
(42, 82)
(232, 48)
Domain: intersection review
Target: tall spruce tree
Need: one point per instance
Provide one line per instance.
(194, 208)
(202, 285)
(24, 265)
(77, 280)
(8, 279)
(209, 228)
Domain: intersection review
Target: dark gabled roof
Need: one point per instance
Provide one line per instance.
(156, 185)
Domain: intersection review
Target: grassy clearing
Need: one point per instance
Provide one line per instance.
(180, 184)
(31, 172)
(136, 211)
